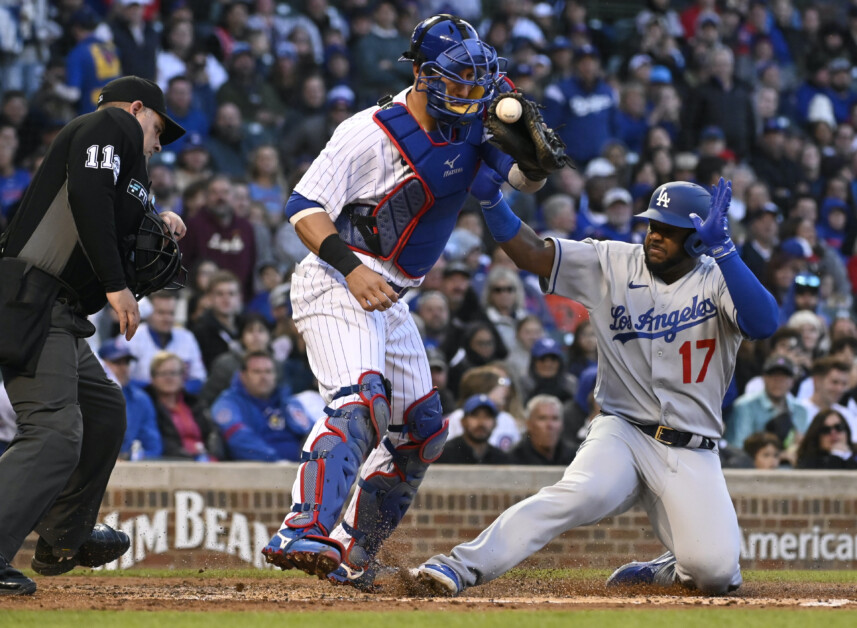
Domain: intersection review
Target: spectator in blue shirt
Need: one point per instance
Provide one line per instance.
(91, 64)
(137, 40)
(619, 216)
(182, 109)
(13, 181)
(260, 421)
(583, 107)
(631, 118)
(140, 412)
(839, 91)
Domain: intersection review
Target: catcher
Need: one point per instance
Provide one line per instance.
(376, 209)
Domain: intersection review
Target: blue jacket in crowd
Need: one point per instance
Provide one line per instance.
(262, 429)
(584, 118)
(142, 424)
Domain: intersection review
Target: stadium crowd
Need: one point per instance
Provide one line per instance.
(761, 92)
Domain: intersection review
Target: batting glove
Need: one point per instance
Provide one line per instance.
(714, 230)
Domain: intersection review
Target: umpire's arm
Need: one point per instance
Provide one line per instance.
(92, 199)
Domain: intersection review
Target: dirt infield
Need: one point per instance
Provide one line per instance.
(213, 594)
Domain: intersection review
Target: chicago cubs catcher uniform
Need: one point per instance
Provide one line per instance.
(669, 323)
(376, 209)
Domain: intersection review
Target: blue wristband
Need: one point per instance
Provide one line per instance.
(723, 251)
(501, 220)
(492, 203)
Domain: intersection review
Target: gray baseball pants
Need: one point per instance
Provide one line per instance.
(682, 490)
(71, 421)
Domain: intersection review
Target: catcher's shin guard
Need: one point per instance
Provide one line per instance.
(334, 452)
(385, 495)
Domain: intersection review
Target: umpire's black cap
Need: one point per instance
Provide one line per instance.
(131, 88)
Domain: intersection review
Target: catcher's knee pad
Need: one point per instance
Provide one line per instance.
(386, 495)
(425, 426)
(337, 452)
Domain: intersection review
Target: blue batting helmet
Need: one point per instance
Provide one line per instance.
(447, 47)
(673, 203)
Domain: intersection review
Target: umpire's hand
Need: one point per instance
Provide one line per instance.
(127, 311)
(174, 223)
(370, 289)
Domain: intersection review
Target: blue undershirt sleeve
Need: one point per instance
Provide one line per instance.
(298, 203)
(757, 309)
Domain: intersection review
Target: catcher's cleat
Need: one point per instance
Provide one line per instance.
(309, 554)
(655, 571)
(13, 582)
(360, 579)
(438, 580)
(103, 546)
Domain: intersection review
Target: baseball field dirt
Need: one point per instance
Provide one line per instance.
(274, 591)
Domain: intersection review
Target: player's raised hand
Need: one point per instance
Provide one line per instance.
(714, 230)
(370, 289)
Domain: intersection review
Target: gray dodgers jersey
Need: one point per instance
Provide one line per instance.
(681, 337)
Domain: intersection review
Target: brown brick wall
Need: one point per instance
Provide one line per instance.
(790, 519)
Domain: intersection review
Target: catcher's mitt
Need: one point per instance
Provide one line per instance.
(529, 141)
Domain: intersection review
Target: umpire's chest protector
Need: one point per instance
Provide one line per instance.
(412, 224)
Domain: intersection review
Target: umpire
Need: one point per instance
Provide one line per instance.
(68, 251)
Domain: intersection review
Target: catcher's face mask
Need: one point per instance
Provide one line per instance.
(457, 72)
(154, 262)
(460, 84)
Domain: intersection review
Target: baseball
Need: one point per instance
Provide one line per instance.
(508, 110)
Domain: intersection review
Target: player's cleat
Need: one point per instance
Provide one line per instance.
(307, 554)
(660, 571)
(13, 582)
(103, 546)
(438, 579)
(360, 579)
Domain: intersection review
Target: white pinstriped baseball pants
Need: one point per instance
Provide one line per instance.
(344, 341)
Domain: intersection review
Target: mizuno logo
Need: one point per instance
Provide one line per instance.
(451, 162)
(633, 285)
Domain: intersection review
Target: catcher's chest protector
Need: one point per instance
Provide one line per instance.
(412, 224)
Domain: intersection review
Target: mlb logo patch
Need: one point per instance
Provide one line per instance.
(138, 191)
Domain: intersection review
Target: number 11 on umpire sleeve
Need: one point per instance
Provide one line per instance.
(708, 345)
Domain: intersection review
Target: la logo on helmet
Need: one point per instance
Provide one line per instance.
(663, 199)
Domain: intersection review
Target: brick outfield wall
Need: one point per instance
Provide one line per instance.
(191, 515)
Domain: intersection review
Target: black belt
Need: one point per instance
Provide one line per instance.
(675, 438)
(399, 290)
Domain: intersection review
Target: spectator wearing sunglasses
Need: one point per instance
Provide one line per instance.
(830, 379)
(503, 300)
(806, 292)
(827, 443)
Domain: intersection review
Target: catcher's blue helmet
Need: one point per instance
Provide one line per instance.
(446, 47)
(673, 203)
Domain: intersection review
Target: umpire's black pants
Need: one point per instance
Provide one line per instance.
(71, 421)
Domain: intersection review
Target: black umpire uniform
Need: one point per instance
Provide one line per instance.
(77, 217)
